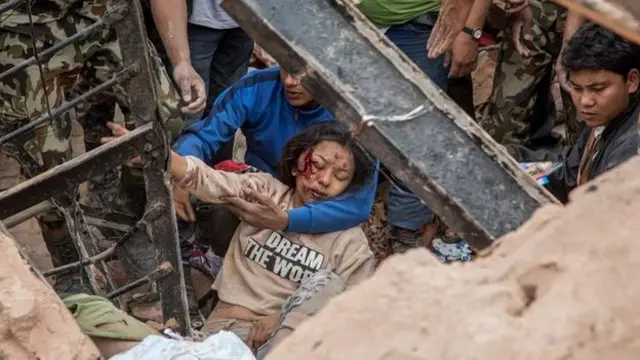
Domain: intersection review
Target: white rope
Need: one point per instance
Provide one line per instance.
(418, 111)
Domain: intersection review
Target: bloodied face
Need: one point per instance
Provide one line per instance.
(323, 172)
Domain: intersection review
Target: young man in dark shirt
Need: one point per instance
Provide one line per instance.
(603, 72)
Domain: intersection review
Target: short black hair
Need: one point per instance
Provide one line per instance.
(593, 47)
(326, 131)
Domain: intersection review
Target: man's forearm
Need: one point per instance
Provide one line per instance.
(478, 14)
(573, 23)
(170, 17)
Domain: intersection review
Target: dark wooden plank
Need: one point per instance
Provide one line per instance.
(65, 177)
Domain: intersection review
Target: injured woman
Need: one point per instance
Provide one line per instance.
(271, 281)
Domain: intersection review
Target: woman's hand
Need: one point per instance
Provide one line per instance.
(261, 330)
(257, 210)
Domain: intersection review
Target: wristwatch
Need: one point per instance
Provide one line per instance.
(476, 34)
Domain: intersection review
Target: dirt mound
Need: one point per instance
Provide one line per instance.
(564, 286)
(34, 324)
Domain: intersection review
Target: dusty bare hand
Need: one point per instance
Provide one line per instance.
(118, 130)
(192, 88)
(261, 330)
(522, 22)
(451, 20)
(258, 210)
(463, 56)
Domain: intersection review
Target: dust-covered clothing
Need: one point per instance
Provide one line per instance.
(262, 268)
(98, 317)
(598, 150)
(70, 71)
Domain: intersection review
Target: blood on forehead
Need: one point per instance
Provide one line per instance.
(305, 163)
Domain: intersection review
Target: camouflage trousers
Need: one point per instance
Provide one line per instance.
(72, 70)
(521, 94)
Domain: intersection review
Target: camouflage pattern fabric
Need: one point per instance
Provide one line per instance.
(507, 115)
(71, 71)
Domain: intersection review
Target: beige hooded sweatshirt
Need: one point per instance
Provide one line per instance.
(264, 267)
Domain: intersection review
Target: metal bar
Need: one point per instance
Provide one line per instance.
(30, 167)
(106, 224)
(620, 16)
(162, 228)
(109, 218)
(162, 271)
(9, 4)
(90, 260)
(65, 176)
(104, 254)
(109, 18)
(27, 214)
(79, 233)
(424, 138)
(123, 75)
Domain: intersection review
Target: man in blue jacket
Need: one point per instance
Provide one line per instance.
(269, 106)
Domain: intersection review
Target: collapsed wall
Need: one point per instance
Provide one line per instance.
(563, 286)
(34, 323)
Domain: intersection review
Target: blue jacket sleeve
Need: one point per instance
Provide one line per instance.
(341, 213)
(204, 137)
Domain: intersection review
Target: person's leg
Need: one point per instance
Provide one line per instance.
(112, 330)
(203, 44)
(461, 92)
(406, 212)
(312, 295)
(507, 118)
(215, 324)
(230, 63)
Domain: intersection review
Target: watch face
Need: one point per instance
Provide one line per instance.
(477, 34)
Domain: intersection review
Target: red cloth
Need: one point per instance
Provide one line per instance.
(231, 166)
(487, 39)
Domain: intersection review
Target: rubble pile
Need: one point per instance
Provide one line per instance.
(563, 286)
(34, 323)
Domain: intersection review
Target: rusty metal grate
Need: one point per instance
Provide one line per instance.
(57, 187)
